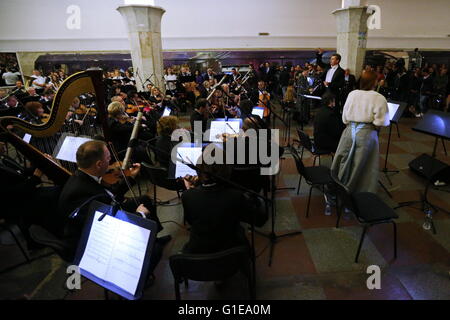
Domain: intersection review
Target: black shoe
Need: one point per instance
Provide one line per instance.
(164, 240)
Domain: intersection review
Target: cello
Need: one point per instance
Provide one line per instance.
(263, 101)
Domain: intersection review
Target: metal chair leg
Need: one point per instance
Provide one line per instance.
(339, 213)
(299, 183)
(395, 239)
(309, 200)
(360, 243)
(22, 249)
(177, 289)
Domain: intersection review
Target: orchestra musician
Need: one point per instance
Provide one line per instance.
(93, 159)
(262, 98)
(214, 211)
(11, 107)
(200, 114)
(33, 112)
(121, 127)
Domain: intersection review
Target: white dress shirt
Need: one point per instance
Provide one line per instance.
(330, 73)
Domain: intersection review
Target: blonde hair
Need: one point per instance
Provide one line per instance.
(115, 108)
(167, 125)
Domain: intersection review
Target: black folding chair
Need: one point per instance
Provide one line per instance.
(368, 209)
(307, 144)
(317, 177)
(211, 267)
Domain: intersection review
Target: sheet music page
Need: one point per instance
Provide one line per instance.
(100, 245)
(69, 148)
(188, 155)
(166, 112)
(232, 127)
(27, 137)
(258, 111)
(216, 130)
(392, 107)
(128, 256)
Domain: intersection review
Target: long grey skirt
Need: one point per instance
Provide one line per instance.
(356, 163)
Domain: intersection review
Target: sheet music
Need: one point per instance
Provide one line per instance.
(392, 107)
(128, 256)
(69, 148)
(100, 245)
(220, 127)
(258, 111)
(311, 97)
(188, 155)
(115, 251)
(27, 137)
(166, 112)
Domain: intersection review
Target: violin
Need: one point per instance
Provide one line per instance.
(126, 119)
(83, 110)
(114, 174)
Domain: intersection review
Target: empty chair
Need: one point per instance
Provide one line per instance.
(307, 144)
(368, 209)
(212, 267)
(316, 177)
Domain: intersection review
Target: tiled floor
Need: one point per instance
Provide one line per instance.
(317, 264)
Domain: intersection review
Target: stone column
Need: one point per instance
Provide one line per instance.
(352, 37)
(144, 31)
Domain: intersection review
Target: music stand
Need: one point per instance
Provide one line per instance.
(437, 124)
(306, 107)
(68, 145)
(115, 249)
(396, 110)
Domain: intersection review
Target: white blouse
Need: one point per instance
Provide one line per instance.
(366, 106)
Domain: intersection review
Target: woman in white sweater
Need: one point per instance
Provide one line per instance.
(356, 163)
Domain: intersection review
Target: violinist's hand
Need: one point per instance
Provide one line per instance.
(69, 115)
(134, 171)
(190, 181)
(142, 209)
(37, 173)
(80, 122)
(320, 50)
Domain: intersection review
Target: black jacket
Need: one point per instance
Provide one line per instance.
(214, 214)
(198, 117)
(338, 80)
(328, 128)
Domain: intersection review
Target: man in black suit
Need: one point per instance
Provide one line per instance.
(328, 125)
(333, 77)
(84, 186)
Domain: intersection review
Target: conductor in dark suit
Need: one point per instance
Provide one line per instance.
(84, 186)
(333, 77)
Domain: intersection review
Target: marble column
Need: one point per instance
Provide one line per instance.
(352, 37)
(144, 31)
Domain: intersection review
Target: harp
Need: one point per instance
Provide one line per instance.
(75, 85)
